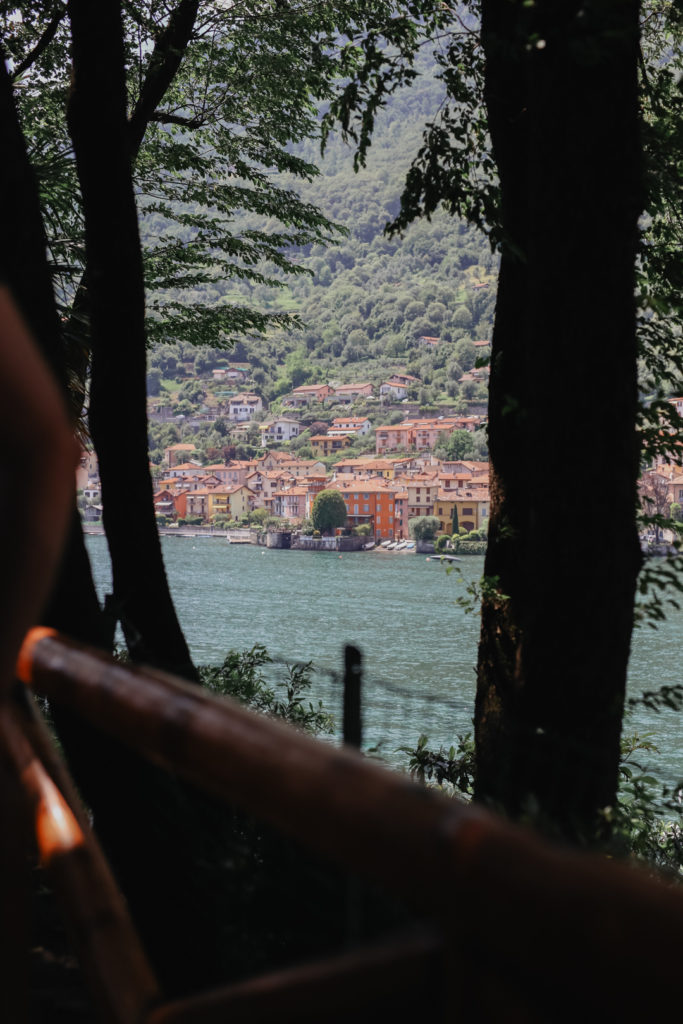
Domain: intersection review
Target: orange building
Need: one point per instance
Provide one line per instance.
(370, 502)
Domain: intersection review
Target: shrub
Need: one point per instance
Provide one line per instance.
(471, 547)
(423, 527)
(454, 767)
(241, 676)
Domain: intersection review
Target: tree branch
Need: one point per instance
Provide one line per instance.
(161, 117)
(40, 47)
(163, 66)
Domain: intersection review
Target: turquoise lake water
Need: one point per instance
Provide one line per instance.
(419, 647)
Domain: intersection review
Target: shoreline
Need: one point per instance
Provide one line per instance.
(192, 533)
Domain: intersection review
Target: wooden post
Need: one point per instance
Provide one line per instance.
(353, 736)
(352, 727)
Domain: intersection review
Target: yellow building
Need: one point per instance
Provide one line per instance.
(472, 506)
(234, 502)
(325, 444)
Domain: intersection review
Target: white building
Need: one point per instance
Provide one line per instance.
(350, 425)
(244, 407)
(281, 429)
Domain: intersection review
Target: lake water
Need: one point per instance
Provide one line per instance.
(419, 647)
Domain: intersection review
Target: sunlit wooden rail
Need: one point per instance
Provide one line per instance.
(509, 928)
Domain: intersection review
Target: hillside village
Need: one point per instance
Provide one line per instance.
(272, 462)
(249, 465)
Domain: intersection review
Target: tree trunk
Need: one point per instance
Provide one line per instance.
(158, 833)
(118, 403)
(563, 557)
(74, 607)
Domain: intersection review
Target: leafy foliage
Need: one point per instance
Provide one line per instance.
(242, 677)
(217, 95)
(329, 511)
(439, 174)
(423, 527)
(476, 591)
(454, 767)
(660, 278)
(645, 824)
(646, 821)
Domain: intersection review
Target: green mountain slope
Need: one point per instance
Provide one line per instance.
(371, 297)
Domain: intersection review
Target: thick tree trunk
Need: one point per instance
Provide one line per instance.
(118, 404)
(158, 833)
(563, 551)
(74, 607)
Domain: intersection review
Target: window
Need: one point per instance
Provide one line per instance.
(366, 497)
(391, 519)
(355, 510)
(366, 508)
(467, 512)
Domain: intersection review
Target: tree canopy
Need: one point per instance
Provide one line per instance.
(424, 527)
(329, 511)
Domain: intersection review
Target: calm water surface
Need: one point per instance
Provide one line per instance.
(419, 647)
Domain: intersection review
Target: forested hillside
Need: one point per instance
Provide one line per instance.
(370, 297)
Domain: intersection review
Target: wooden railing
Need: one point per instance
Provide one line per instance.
(509, 928)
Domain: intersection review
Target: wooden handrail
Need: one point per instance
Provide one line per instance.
(363, 816)
(539, 922)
